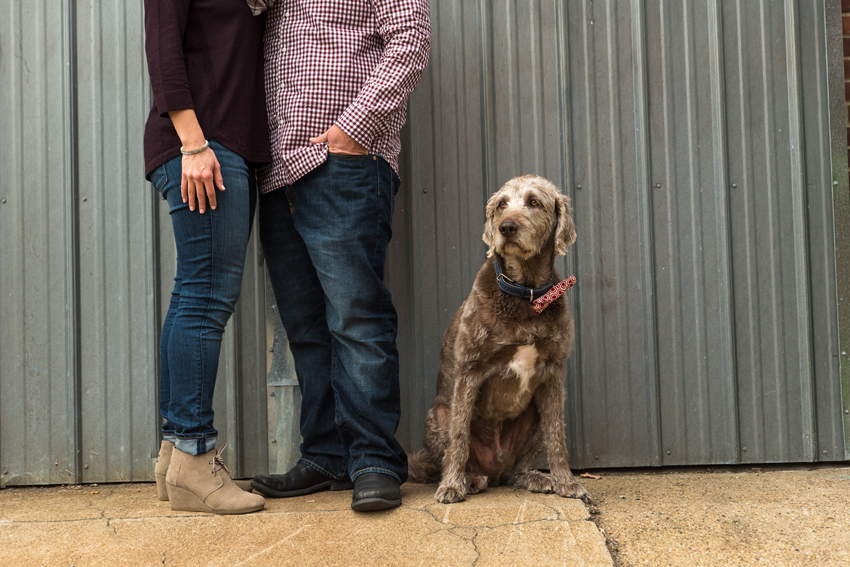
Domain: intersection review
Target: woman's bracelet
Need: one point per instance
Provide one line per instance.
(186, 152)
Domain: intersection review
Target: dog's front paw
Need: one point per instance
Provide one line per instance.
(572, 490)
(449, 494)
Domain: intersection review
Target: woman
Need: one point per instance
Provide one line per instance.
(207, 130)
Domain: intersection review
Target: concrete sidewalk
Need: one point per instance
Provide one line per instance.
(739, 516)
(125, 524)
(688, 517)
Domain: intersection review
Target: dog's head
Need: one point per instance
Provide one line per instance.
(524, 215)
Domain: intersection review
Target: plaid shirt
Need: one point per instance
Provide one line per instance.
(352, 63)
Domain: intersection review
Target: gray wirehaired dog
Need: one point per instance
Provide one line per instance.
(500, 390)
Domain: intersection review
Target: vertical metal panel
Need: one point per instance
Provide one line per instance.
(772, 303)
(699, 137)
(117, 324)
(691, 241)
(283, 394)
(831, 140)
(617, 320)
(814, 43)
(37, 338)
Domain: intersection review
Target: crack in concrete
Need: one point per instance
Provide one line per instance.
(475, 547)
(444, 521)
(555, 517)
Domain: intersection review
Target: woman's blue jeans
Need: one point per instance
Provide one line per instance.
(210, 261)
(325, 241)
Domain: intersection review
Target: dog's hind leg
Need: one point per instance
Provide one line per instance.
(476, 483)
(522, 476)
(421, 468)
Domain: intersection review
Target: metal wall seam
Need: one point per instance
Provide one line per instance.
(73, 364)
(727, 371)
(801, 247)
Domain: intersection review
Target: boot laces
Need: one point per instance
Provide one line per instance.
(218, 462)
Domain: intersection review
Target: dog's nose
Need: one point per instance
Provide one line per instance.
(508, 228)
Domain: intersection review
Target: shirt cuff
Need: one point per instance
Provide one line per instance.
(173, 100)
(356, 122)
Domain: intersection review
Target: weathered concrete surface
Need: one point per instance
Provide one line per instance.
(125, 525)
(727, 517)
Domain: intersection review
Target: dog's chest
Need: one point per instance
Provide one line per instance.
(508, 393)
(524, 365)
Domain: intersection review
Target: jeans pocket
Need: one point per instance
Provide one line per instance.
(159, 178)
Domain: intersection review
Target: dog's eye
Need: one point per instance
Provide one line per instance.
(535, 203)
(502, 204)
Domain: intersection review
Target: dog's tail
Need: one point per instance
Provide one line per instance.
(421, 469)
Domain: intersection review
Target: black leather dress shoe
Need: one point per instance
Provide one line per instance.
(300, 480)
(375, 491)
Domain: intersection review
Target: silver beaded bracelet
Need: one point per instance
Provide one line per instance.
(186, 152)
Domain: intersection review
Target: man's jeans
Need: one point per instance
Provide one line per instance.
(210, 260)
(325, 240)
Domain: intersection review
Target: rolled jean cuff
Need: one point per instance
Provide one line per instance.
(170, 437)
(310, 464)
(196, 446)
(375, 470)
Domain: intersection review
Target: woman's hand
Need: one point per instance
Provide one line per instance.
(201, 175)
(201, 171)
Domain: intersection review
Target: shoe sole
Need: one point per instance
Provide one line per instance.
(332, 485)
(162, 492)
(184, 501)
(374, 504)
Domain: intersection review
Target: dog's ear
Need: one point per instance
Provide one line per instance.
(565, 232)
(489, 236)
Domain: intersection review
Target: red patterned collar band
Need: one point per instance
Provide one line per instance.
(557, 291)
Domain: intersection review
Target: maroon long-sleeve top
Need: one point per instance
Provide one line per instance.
(206, 55)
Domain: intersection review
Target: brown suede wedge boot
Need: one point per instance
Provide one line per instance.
(162, 462)
(159, 472)
(202, 484)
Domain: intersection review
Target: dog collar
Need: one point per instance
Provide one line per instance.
(540, 297)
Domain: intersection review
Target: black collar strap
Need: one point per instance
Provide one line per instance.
(509, 286)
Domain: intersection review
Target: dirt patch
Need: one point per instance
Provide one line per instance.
(611, 543)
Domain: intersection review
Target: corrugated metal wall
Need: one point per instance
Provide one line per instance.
(87, 257)
(694, 140)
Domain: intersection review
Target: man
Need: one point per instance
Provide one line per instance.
(338, 76)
